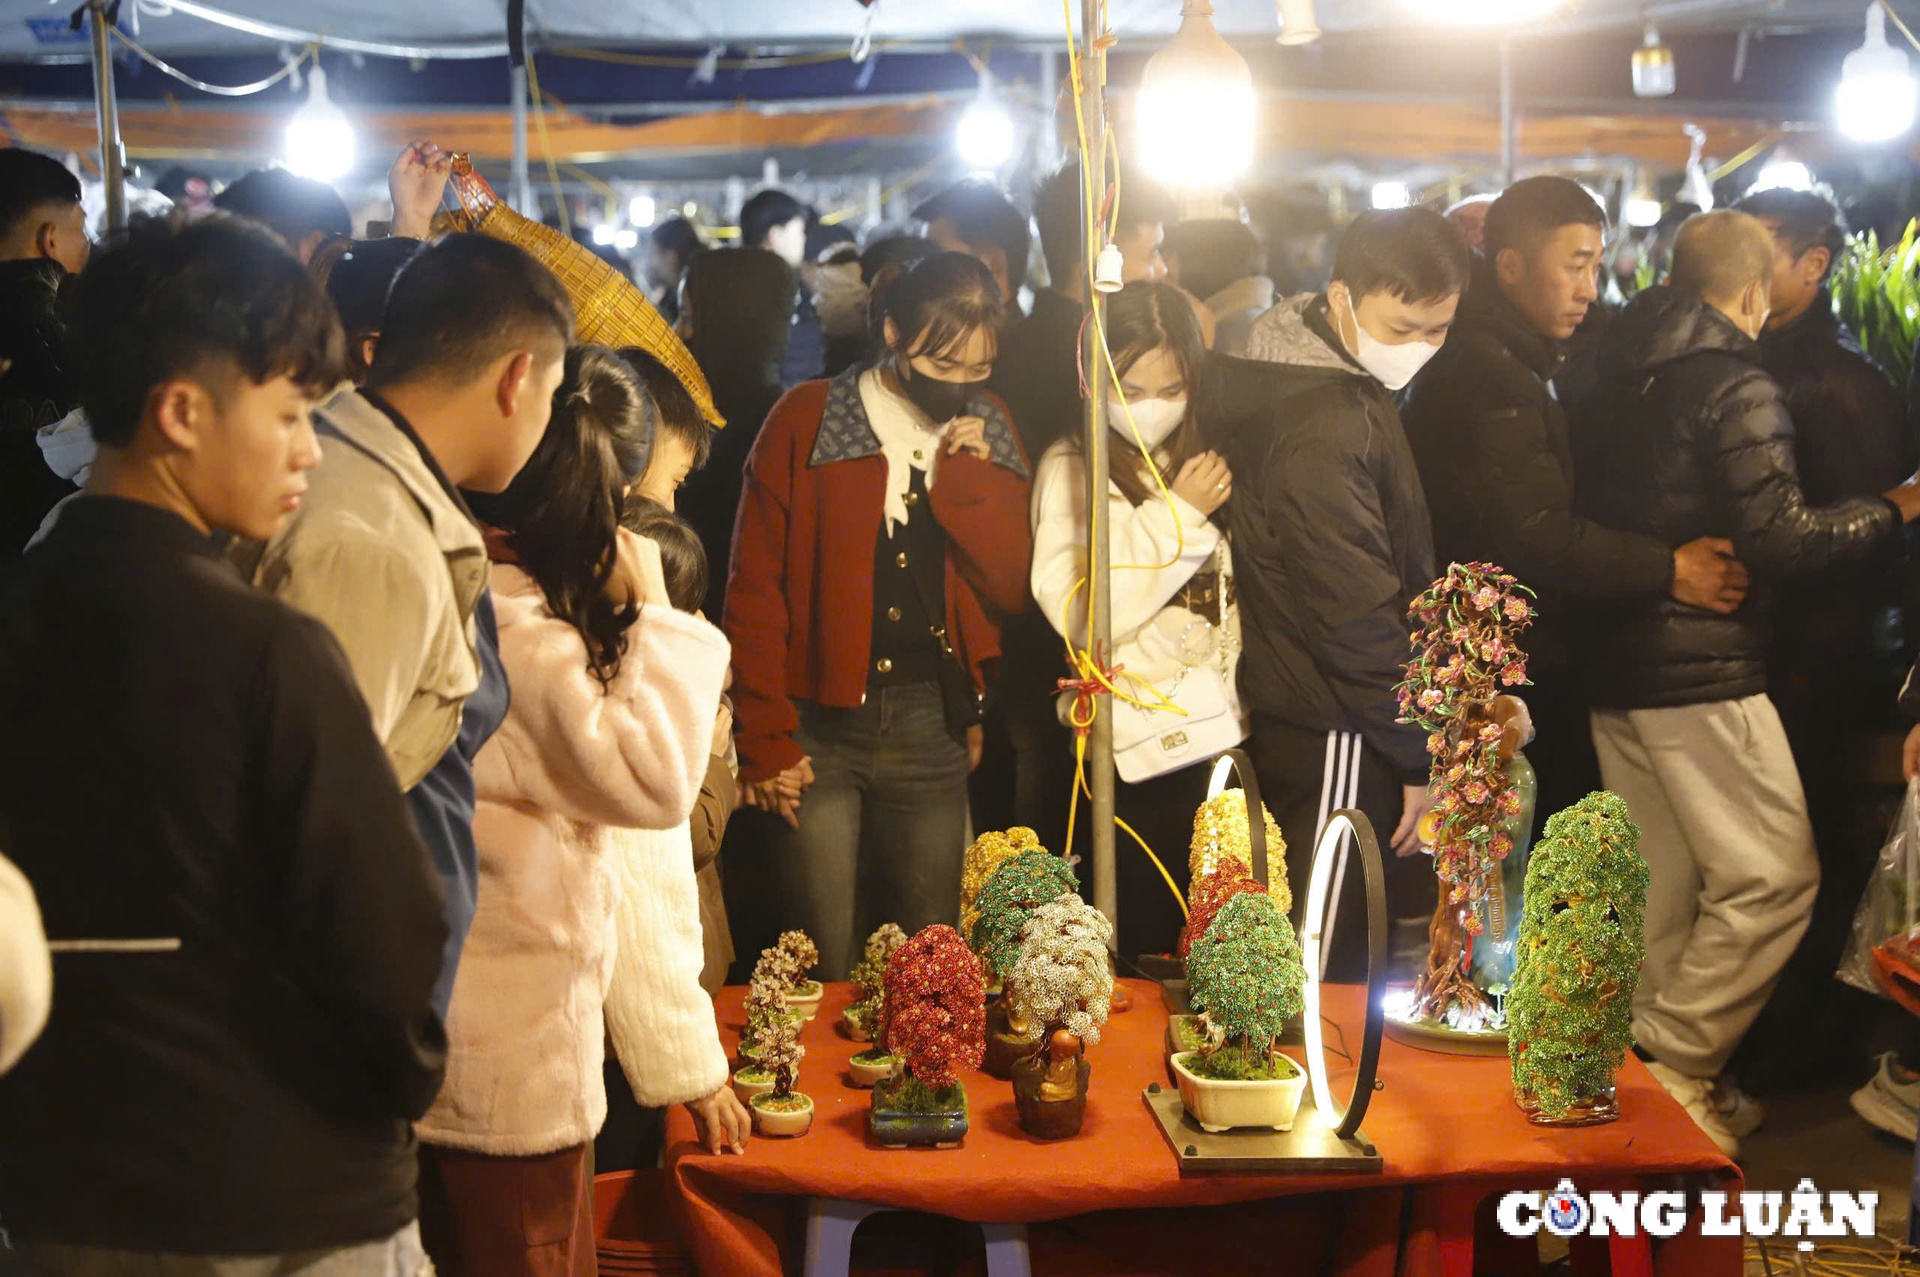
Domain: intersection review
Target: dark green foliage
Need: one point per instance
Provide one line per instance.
(1246, 974)
(1582, 940)
(1021, 884)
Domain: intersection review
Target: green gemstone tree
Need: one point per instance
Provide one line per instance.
(869, 978)
(1582, 940)
(1020, 885)
(1246, 977)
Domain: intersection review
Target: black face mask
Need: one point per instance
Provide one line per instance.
(942, 401)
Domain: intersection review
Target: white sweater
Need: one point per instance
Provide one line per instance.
(563, 787)
(1147, 625)
(26, 969)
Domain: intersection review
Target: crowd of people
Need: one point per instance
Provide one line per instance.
(388, 666)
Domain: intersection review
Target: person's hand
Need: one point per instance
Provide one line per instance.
(1406, 834)
(1706, 575)
(417, 181)
(968, 434)
(1204, 482)
(722, 730)
(1910, 756)
(976, 744)
(720, 1122)
(781, 794)
(1907, 497)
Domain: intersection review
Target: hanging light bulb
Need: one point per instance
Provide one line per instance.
(1196, 106)
(1640, 206)
(1783, 172)
(641, 210)
(1876, 98)
(985, 135)
(1297, 23)
(319, 137)
(1652, 66)
(1484, 13)
(1391, 195)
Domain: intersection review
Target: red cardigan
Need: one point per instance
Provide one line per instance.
(800, 593)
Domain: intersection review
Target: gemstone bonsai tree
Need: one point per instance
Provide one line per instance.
(1246, 977)
(869, 977)
(778, 1109)
(1465, 651)
(1582, 940)
(1062, 981)
(795, 955)
(1021, 884)
(935, 1021)
(1222, 840)
(988, 852)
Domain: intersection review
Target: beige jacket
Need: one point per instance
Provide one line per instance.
(394, 566)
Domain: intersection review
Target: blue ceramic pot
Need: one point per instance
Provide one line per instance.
(895, 1127)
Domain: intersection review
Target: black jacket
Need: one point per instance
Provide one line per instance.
(1037, 371)
(1691, 439)
(182, 756)
(1850, 439)
(1496, 462)
(36, 389)
(1331, 540)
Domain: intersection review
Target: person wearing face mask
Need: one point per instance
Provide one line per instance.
(1332, 541)
(1701, 444)
(1495, 457)
(882, 533)
(1175, 623)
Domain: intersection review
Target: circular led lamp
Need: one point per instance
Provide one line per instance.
(1321, 909)
(1236, 762)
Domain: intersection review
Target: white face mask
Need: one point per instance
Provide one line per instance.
(1392, 366)
(1156, 419)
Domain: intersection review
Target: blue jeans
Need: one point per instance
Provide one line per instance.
(883, 830)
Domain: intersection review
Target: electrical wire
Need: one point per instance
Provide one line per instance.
(1904, 29)
(677, 62)
(223, 90)
(546, 148)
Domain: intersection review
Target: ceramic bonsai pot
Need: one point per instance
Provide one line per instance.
(940, 1121)
(869, 1068)
(781, 1117)
(855, 1026)
(751, 1081)
(1004, 1047)
(805, 999)
(748, 1053)
(1049, 1119)
(1221, 1106)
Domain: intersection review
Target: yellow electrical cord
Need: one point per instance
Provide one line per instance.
(1087, 670)
(546, 149)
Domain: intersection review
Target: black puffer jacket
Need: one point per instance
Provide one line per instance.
(1331, 539)
(1692, 439)
(1492, 445)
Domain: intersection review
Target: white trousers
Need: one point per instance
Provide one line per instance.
(1724, 831)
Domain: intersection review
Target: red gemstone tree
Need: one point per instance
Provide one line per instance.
(936, 1006)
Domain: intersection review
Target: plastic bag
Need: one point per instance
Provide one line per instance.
(1891, 905)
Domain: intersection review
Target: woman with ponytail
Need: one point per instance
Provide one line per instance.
(882, 533)
(609, 730)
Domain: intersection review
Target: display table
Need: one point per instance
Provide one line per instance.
(1445, 1125)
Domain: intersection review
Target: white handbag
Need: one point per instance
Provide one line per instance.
(1149, 741)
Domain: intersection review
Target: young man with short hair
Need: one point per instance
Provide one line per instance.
(43, 245)
(1220, 261)
(777, 222)
(1331, 540)
(1700, 443)
(302, 211)
(1828, 672)
(244, 1027)
(975, 217)
(1496, 458)
(384, 550)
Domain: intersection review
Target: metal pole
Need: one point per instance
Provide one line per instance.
(113, 157)
(1099, 558)
(1506, 110)
(1050, 109)
(520, 190)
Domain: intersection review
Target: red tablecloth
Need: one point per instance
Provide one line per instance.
(1443, 1124)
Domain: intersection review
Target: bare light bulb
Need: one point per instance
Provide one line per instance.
(1653, 73)
(984, 137)
(1197, 106)
(1876, 98)
(319, 141)
(1391, 195)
